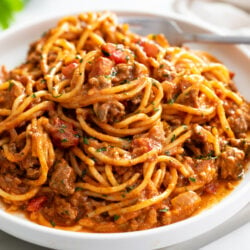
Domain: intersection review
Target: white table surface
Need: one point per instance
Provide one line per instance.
(234, 233)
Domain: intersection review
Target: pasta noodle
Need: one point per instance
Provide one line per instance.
(103, 130)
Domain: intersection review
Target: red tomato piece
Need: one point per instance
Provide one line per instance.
(102, 66)
(36, 203)
(231, 74)
(63, 134)
(69, 69)
(115, 53)
(150, 48)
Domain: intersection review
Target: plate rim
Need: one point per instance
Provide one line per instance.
(126, 235)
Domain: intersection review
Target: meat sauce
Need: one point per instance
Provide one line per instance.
(130, 141)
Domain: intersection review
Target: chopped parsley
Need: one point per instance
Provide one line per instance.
(127, 58)
(173, 138)
(11, 84)
(85, 140)
(164, 210)
(167, 153)
(101, 149)
(64, 140)
(209, 156)
(154, 84)
(116, 217)
(172, 100)
(240, 176)
(81, 60)
(43, 81)
(53, 224)
(77, 135)
(192, 179)
(61, 130)
(66, 212)
(33, 95)
(130, 188)
(78, 189)
(156, 109)
(161, 66)
(107, 76)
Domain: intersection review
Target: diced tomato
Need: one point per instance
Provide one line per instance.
(102, 66)
(63, 134)
(36, 203)
(69, 70)
(141, 145)
(114, 53)
(150, 48)
(231, 74)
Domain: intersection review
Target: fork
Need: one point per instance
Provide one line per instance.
(144, 25)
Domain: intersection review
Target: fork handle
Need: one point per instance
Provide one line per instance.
(216, 38)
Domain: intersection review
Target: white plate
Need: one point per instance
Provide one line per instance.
(14, 44)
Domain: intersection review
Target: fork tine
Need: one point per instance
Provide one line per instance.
(144, 25)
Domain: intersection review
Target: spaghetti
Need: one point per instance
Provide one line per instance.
(103, 130)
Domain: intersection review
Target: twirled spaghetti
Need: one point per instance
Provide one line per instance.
(103, 130)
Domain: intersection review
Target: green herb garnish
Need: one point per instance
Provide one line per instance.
(53, 224)
(164, 210)
(192, 179)
(101, 149)
(116, 217)
(173, 138)
(130, 188)
(11, 84)
(78, 189)
(61, 130)
(85, 140)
